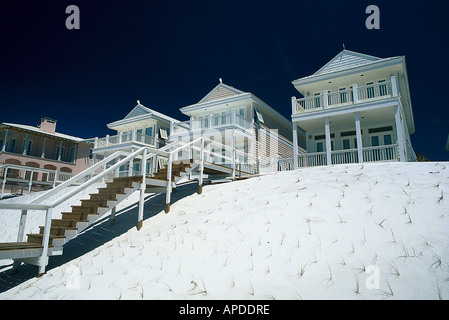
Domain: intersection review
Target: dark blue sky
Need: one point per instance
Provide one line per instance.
(169, 54)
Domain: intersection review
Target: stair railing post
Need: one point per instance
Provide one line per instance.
(45, 242)
(5, 175)
(143, 186)
(200, 180)
(168, 193)
(30, 183)
(23, 218)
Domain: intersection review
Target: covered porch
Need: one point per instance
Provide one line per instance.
(355, 135)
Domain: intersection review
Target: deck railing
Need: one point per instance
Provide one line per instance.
(341, 98)
(29, 176)
(312, 159)
(381, 153)
(122, 138)
(212, 122)
(370, 154)
(344, 156)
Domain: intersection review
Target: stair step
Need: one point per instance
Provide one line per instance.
(77, 216)
(37, 238)
(111, 190)
(84, 209)
(56, 231)
(103, 196)
(66, 223)
(94, 203)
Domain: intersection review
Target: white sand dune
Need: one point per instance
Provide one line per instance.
(371, 231)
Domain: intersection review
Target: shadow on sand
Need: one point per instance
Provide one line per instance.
(97, 234)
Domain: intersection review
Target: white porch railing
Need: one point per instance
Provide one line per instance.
(212, 122)
(370, 154)
(30, 175)
(122, 138)
(312, 159)
(341, 98)
(381, 153)
(344, 156)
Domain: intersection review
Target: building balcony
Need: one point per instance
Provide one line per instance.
(216, 122)
(342, 98)
(124, 140)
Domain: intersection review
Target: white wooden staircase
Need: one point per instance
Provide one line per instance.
(57, 232)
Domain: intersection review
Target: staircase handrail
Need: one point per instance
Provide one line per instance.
(77, 177)
(98, 177)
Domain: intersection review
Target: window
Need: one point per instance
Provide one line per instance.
(370, 90)
(149, 131)
(343, 95)
(11, 145)
(346, 144)
(163, 133)
(319, 147)
(375, 141)
(383, 89)
(387, 139)
(59, 153)
(317, 100)
(259, 116)
(27, 146)
(380, 129)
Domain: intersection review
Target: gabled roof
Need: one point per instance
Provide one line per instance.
(40, 131)
(346, 59)
(224, 94)
(221, 91)
(139, 112)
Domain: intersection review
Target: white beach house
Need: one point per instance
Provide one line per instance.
(239, 120)
(356, 108)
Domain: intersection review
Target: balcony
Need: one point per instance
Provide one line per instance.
(222, 121)
(347, 97)
(123, 138)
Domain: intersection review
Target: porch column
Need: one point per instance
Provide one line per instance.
(25, 145)
(172, 129)
(355, 94)
(394, 86)
(5, 140)
(400, 134)
(358, 133)
(325, 100)
(328, 141)
(133, 135)
(44, 144)
(295, 146)
(60, 151)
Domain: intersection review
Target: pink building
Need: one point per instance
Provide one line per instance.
(42, 147)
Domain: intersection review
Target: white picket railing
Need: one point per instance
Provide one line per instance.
(212, 122)
(19, 174)
(344, 156)
(370, 154)
(312, 159)
(341, 98)
(381, 153)
(122, 138)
